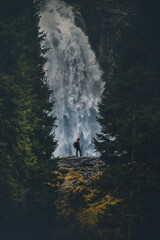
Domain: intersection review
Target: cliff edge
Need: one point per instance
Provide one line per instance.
(74, 171)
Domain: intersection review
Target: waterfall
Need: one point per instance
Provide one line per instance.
(74, 76)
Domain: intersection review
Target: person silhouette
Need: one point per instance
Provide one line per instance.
(78, 147)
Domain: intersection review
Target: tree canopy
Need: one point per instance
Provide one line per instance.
(129, 116)
(26, 141)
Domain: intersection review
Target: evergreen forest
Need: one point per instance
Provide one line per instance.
(123, 202)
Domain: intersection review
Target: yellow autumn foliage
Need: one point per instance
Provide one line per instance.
(90, 214)
(81, 200)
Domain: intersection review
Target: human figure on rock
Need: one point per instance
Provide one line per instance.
(77, 147)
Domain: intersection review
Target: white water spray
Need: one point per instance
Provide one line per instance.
(75, 78)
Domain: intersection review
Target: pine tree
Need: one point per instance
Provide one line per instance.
(129, 117)
(26, 142)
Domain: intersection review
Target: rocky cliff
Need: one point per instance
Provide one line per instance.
(75, 171)
(103, 20)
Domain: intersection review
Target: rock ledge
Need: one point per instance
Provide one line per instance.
(87, 166)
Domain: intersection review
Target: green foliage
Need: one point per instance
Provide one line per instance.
(26, 142)
(129, 116)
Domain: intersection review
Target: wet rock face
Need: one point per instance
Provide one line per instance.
(76, 171)
(103, 19)
(77, 162)
(88, 166)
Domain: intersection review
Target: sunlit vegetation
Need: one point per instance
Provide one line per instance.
(81, 205)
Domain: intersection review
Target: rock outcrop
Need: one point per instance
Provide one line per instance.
(75, 171)
(89, 166)
(103, 20)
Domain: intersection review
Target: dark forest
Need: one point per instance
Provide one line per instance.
(121, 203)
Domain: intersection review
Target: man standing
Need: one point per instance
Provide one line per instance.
(77, 146)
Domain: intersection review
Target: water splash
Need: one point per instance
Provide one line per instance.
(74, 76)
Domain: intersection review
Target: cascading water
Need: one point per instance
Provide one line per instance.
(74, 76)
